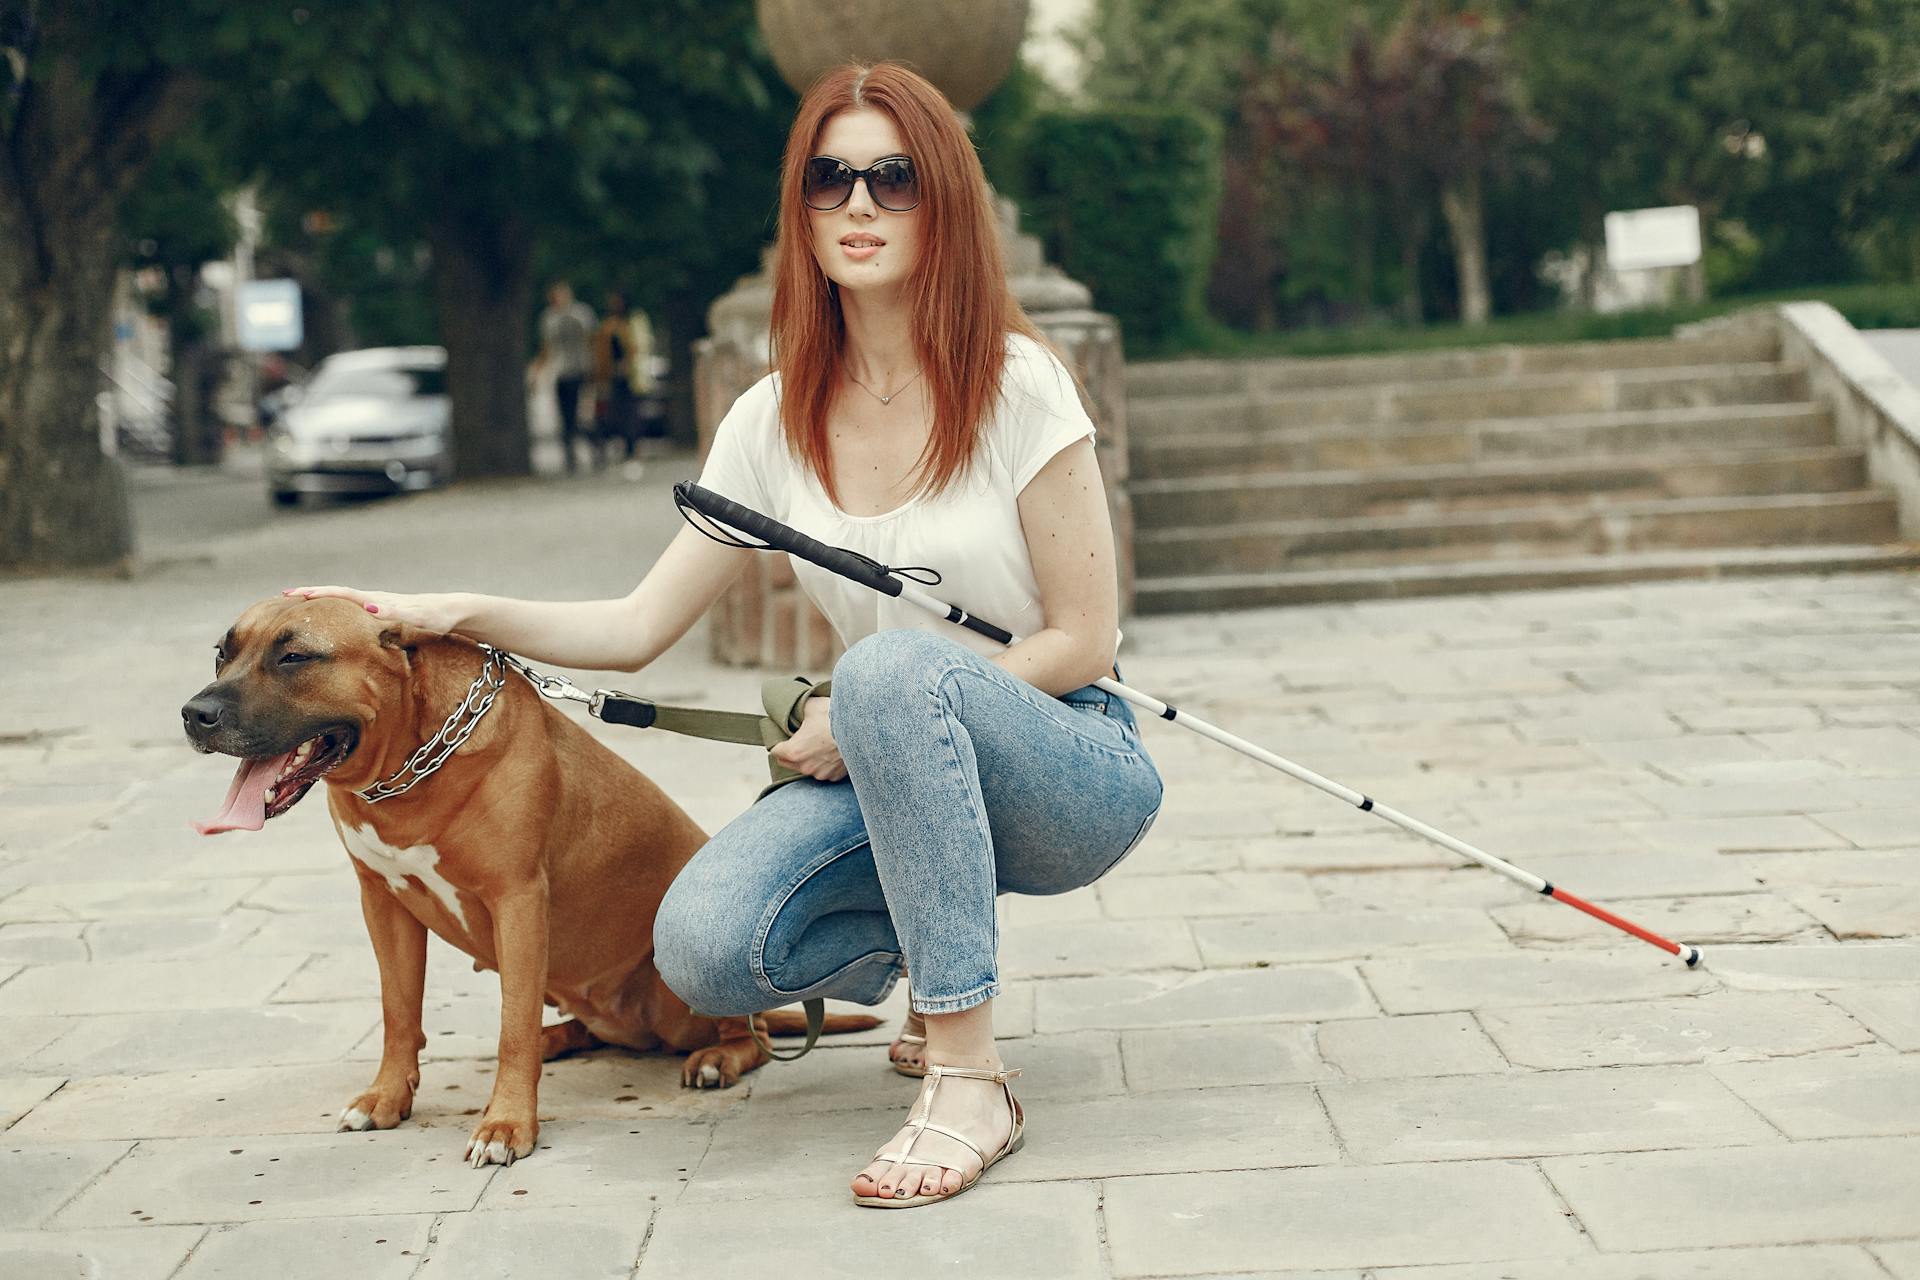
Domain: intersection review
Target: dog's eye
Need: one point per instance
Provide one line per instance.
(293, 658)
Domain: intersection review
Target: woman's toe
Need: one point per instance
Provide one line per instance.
(930, 1182)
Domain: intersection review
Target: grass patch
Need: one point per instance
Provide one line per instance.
(1866, 306)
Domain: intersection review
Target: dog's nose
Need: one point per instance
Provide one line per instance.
(203, 713)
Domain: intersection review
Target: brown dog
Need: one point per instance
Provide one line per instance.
(534, 849)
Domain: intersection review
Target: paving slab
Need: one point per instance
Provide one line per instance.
(120, 899)
(1863, 911)
(1224, 893)
(585, 1161)
(24, 944)
(1029, 1232)
(1425, 1045)
(1223, 1056)
(1738, 835)
(1719, 918)
(1543, 1113)
(1901, 1258)
(1251, 1128)
(37, 1178)
(1790, 1262)
(1296, 936)
(370, 1247)
(1293, 993)
(134, 986)
(1069, 948)
(1867, 1095)
(1815, 967)
(186, 1180)
(1438, 983)
(21, 1038)
(171, 937)
(601, 1243)
(1630, 876)
(1714, 1026)
(126, 1253)
(193, 1104)
(191, 1039)
(1874, 828)
(1846, 1189)
(19, 1094)
(1892, 1013)
(1334, 1217)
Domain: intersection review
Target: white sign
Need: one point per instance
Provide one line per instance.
(1638, 239)
(267, 315)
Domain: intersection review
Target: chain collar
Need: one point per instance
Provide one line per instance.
(435, 751)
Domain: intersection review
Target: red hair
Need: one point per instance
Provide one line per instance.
(960, 306)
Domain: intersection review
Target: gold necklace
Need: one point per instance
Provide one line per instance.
(886, 399)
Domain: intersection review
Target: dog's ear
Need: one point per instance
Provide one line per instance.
(404, 636)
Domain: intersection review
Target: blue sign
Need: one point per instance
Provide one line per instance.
(267, 315)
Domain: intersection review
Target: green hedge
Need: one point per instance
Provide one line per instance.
(1127, 201)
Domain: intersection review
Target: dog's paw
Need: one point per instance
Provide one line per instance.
(376, 1109)
(709, 1068)
(501, 1141)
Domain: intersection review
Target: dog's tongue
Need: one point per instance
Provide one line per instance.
(246, 805)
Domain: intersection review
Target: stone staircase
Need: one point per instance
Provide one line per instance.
(1258, 482)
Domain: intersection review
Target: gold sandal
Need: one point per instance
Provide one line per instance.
(907, 1068)
(924, 1122)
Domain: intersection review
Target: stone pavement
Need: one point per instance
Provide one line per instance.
(1281, 1039)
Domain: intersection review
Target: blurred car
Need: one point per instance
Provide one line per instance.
(372, 421)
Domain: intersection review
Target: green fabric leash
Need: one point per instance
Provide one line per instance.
(784, 700)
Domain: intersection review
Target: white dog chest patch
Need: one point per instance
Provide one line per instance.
(419, 861)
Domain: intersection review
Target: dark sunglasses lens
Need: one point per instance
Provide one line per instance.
(827, 183)
(894, 185)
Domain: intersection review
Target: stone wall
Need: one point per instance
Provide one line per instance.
(1874, 408)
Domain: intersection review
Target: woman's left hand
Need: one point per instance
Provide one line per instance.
(811, 750)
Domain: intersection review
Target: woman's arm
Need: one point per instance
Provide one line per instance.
(624, 634)
(1063, 513)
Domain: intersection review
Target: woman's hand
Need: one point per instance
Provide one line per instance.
(811, 750)
(438, 613)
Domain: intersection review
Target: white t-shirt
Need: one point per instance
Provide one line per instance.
(971, 534)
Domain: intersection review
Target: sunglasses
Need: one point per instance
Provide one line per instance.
(827, 183)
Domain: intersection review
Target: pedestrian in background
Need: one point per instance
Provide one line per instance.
(622, 356)
(566, 334)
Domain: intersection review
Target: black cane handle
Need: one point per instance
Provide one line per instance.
(782, 537)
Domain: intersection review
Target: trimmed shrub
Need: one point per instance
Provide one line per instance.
(1127, 201)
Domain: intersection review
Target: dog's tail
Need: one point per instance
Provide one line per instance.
(791, 1022)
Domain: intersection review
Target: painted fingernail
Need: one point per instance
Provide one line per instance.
(373, 608)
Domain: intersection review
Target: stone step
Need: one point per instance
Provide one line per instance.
(1467, 399)
(1288, 495)
(1250, 590)
(1646, 432)
(1200, 377)
(1568, 528)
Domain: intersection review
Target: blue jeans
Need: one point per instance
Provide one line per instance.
(964, 782)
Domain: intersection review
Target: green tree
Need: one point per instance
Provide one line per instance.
(479, 126)
(89, 90)
(1881, 125)
(1776, 79)
(488, 129)
(173, 221)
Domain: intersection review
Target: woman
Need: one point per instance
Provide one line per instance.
(914, 416)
